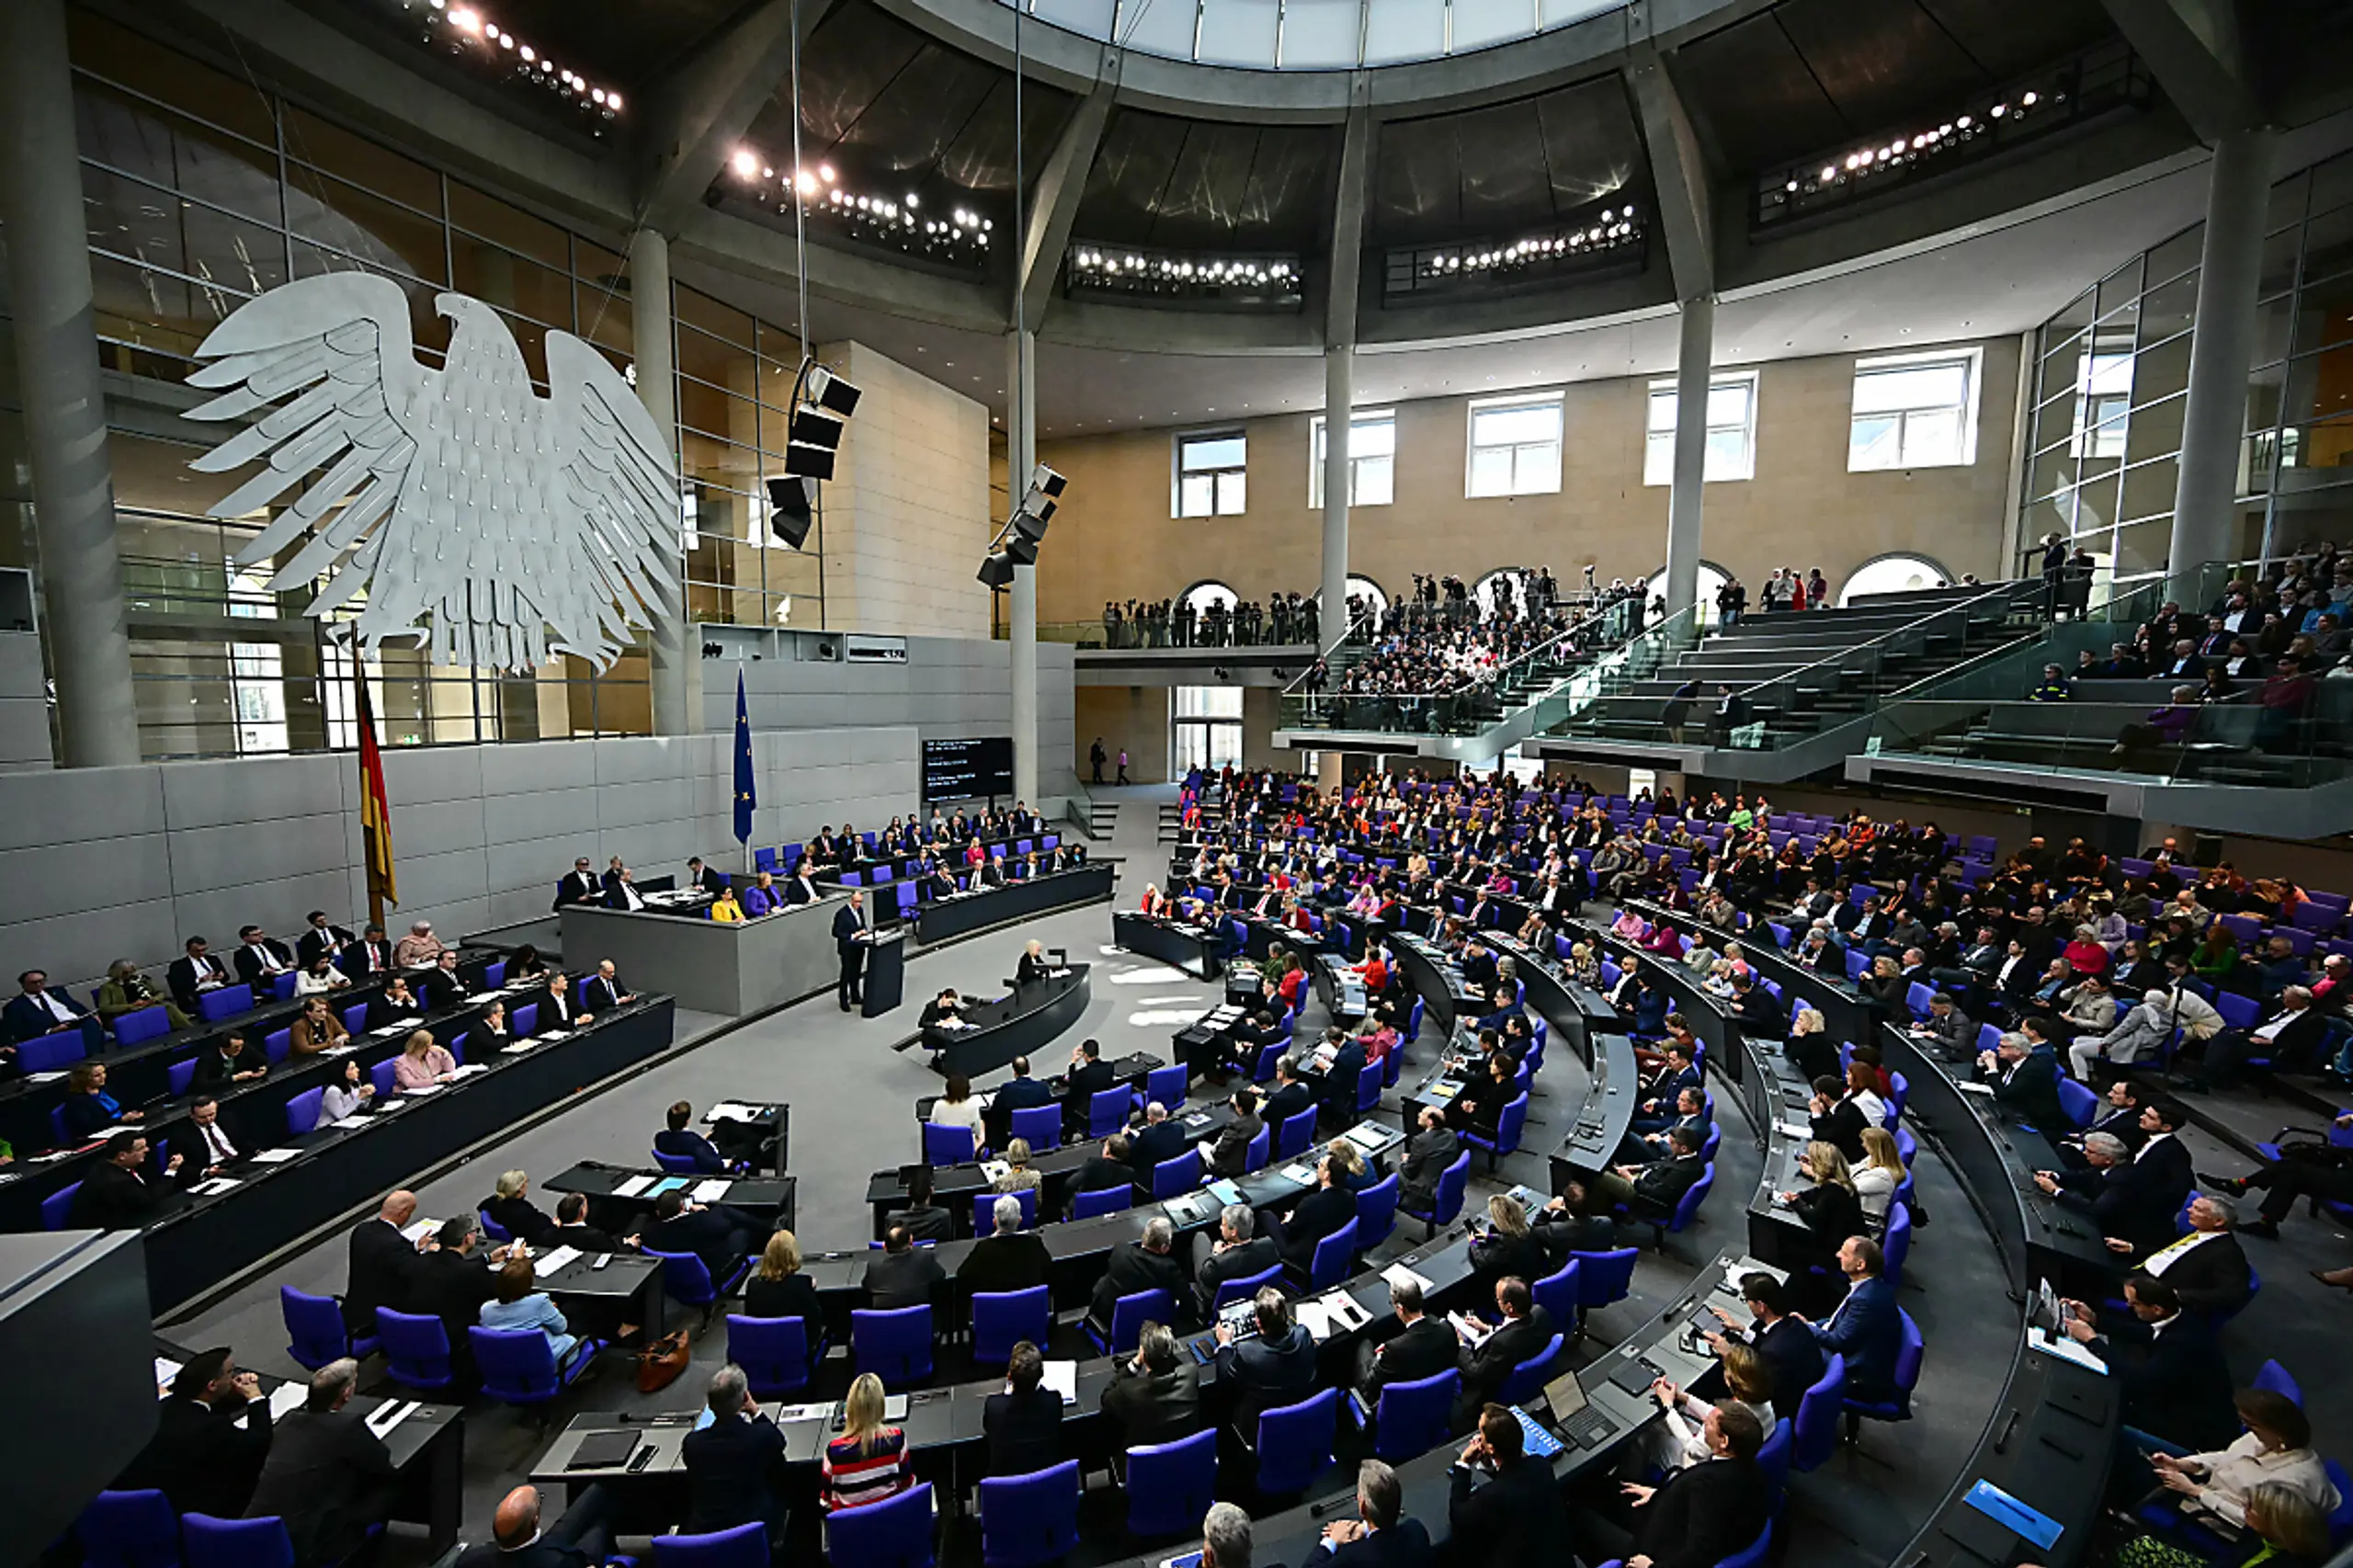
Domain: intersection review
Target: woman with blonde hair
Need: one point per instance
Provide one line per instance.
(778, 1290)
(1680, 1441)
(1018, 1177)
(1810, 1045)
(1583, 965)
(869, 1462)
(1507, 1246)
(1348, 1167)
(1881, 1174)
(1832, 1213)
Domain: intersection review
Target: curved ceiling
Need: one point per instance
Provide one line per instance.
(1309, 35)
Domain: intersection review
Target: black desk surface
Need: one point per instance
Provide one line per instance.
(603, 1182)
(977, 910)
(1021, 1023)
(1193, 949)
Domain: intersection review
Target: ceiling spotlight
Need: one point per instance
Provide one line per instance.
(746, 166)
(806, 182)
(465, 17)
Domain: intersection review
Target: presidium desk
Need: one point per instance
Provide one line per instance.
(1023, 1022)
(709, 966)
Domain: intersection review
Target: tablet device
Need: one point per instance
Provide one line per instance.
(603, 1451)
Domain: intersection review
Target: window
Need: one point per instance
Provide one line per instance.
(1209, 474)
(1732, 431)
(2103, 392)
(1893, 575)
(1373, 460)
(1914, 411)
(1206, 729)
(1515, 446)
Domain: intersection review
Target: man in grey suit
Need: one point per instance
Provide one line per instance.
(327, 1476)
(1236, 1255)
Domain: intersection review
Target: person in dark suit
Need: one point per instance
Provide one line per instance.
(1652, 1191)
(192, 975)
(580, 886)
(1524, 1332)
(704, 878)
(1289, 1096)
(1237, 1253)
(801, 886)
(2175, 1383)
(620, 890)
(397, 1005)
(1023, 1422)
(261, 958)
(369, 956)
(2162, 1177)
(1146, 1264)
(218, 1144)
(451, 1283)
(1229, 1154)
(572, 1230)
(1785, 1343)
(606, 990)
(1418, 1346)
(118, 1194)
(1704, 1513)
(1089, 1075)
(680, 1141)
(321, 938)
(1867, 1328)
(1320, 1213)
(902, 1274)
(1517, 1519)
(1428, 1152)
(1381, 1535)
(1159, 1139)
(1340, 1078)
(1021, 1092)
(383, 1265)
(442, 986)
(2026, 1081)
(925, 1221)
(581, 1538)
(327, 1476)
(37, 1010)
(1274, 1369)
(1760, 1013)
(718, 1233)
(2101, 1187)
(201, 1458)
(849, 945)
(512, 1209)
(2207, 1268)
(1154, 1395)
(1009, 1259)
(733, 1464)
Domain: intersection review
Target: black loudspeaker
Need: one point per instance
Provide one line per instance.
(829, 391)
(997, 569)
(791, 505)
(807, 461)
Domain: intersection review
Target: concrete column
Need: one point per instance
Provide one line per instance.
(678, 658)
(2238, 194)
(1327, 771)
(1020, 457)
(1339, 381)
(65, 415)
(1693, 361)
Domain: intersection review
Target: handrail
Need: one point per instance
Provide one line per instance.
(1495, 676)
(2005, 591)
(2142, 584)
(1321, 653)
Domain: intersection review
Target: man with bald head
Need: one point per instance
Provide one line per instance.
(580, 1539)
(383, 1264)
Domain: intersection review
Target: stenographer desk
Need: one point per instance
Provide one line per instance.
(621, 1197)
(962, 914)
(1193, 949)
(1023, 1022)
(732, 969)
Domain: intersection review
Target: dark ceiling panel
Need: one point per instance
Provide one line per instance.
(612, 42)
(855, 53)
(2008, 39)
(981, 158)
(1883, 62)
(1504, 168)
(1193, 184)
(1753, 91)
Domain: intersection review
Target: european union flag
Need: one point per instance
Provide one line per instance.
(747, 794)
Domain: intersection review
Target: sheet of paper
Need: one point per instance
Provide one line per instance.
(276, 1156)
(217, 1186)
(165, 1370)
(2065, 1350)
(517, 1048)
(426, 1089)
(818, 1411)
(356, 1118)
(549, 1262)
(712, 1191)
(1313, 1318)
(391, 1415)
(1063, 1378)
(546, 1035)
(284, 1399)
(471, 1068)
(1304, 1174)
(1969, 1088)
(728, 1110)
(417, 1230)
(1797, 1129)
(1398, 1274)
(44, 1077)
(634, 1185)
(480, 998)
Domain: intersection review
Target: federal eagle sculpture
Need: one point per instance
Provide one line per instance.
(459, 509)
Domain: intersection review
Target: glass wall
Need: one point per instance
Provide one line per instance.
(201, 191)
(2112, 377)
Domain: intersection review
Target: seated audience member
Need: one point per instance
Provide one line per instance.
(442, 986)
(579, 886)
(581, 1538)
(2304, 1169)
(735, 1464)
(1144, 1264)
(490, 1035)
(1417, 1346)
(321, 937)
(777, 1288)
(1702, 1513)
(119, 1194)
(345, 1095)
(2026, 1079)
(1488, 1358)
(511, 1207)
(1876, 1179)
(1229, 1154)
(558, 1010)
(1158, 1140)
(128, 991)
(217, 1145)
(37, 1010)
(225, 1060)
(212, 1435)
(1275, 1368)
(922, 1218)
(395, 1005)
(1652, 1191)
(1291, 1095)
(2276, 1449)
(606, 990)
(517, 1303)
(1154, 1395)
(327, 1476)
(724, 907)
(1680, 1441)
(680, 1141)
(958, 1106)
(1866, 1327)
(763, 897)
(572, 1230)
(902, 1274)
(383, 1263)
(315, 1028)
(423, 1062)
(1008, 1259)
(1793, 1358)
(372, 955)
(1023, 1421)
(1428, 1152)
(1517, 1519)
(2170, 1374)
(1236, 1254)
(194, 974)
(320, 978)
(1507, 1246)
(718, 1233)
(451, 1283)
(1379, 1535)
(1323, 1211)
(418, 949)
(869, 1462)
(1565, 1225)
(1018, 1176)
(87, 1109)
(260, 959)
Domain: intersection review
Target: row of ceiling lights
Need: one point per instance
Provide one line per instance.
(1906, 152)
(903, 221)
(1140, 272)
(465, 24)
(1616, 228)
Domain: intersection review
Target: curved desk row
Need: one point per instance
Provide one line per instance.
(728, 968)
(1195, 950)
(1023, 1022)
(965, 913)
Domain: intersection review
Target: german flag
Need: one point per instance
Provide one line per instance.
(375, 807)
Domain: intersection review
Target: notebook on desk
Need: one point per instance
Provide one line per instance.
(603, 1451)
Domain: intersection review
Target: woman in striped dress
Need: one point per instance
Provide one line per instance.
(869, 1462)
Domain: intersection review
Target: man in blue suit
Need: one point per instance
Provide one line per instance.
(1021, 1093)
(1867, 1329)
(1381, 1536)
(38, 1010)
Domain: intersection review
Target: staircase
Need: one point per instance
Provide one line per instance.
(1172, 818)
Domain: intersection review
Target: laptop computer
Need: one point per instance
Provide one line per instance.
(1578, 1422)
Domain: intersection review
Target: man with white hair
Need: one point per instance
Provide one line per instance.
(419, 950)
(1238, 1252)
(2145, 1028)
(1225, 1537)
(2206, 1268)
(2103, 1189)
(1009, 1258)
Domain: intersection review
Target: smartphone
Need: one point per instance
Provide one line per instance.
(602, 1258)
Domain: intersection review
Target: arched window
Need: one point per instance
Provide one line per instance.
(1483, 590)
(1712, 578)
(1365, 588)
(1893, 575)
(1200, 595)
